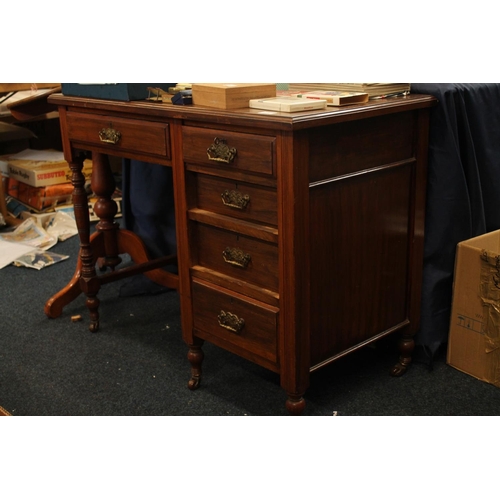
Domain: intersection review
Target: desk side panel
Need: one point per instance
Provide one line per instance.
(361, 213)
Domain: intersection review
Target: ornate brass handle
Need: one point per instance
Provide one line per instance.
(236, 257)
(220, 151)
(231, 322)
(109, 135)
(235, 199)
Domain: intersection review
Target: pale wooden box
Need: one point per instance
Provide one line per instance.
(230, 95)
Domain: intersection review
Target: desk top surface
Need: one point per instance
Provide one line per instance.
(247, 116)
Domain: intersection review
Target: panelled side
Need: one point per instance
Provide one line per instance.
(361, 210)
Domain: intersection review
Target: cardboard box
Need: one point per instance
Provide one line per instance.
(44, 173)
(113, 91)
(474, 337)
(230, 95)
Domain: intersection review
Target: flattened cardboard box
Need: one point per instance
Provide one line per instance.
(230, 95)
(474, 337)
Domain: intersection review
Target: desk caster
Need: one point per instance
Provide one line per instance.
(195, 357)
(94, 326)
(398, 369)
(194, 383)
(406, 346)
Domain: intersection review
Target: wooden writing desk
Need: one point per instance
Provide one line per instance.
(300, 236)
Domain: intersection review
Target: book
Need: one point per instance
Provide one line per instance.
(288, 104)
(335, 97)
(41, 168)
(41, 197)
(374, 90)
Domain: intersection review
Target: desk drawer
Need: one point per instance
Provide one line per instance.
(235, 320)
(243, 258)
(237, 199)
(220, 148)
(120, 134)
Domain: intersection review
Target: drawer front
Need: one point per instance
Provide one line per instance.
(220, 148)
(237, 199)
(236, 320)
(120, 134)
(246, 259)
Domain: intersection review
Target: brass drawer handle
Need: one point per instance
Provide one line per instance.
(236, 257)
(220, 151)
(109, 135)
(231, 322)
(235, 199)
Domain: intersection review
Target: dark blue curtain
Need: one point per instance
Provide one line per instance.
(463, 190)
(148, 205)
(148, 210)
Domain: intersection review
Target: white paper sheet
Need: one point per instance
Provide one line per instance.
(9, 252)
(38, 155)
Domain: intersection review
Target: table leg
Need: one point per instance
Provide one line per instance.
(89, 283)
(104, 246)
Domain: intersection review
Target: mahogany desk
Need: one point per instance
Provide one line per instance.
(300, 236)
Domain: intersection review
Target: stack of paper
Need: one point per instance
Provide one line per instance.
(374, 90)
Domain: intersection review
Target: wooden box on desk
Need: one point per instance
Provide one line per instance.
(230, 95)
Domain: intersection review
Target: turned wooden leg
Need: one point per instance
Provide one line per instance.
(92, 304)
(103, 186)
(406, 346)
(295, 404)
(195, 357)
(89, 283)
(54, 306)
